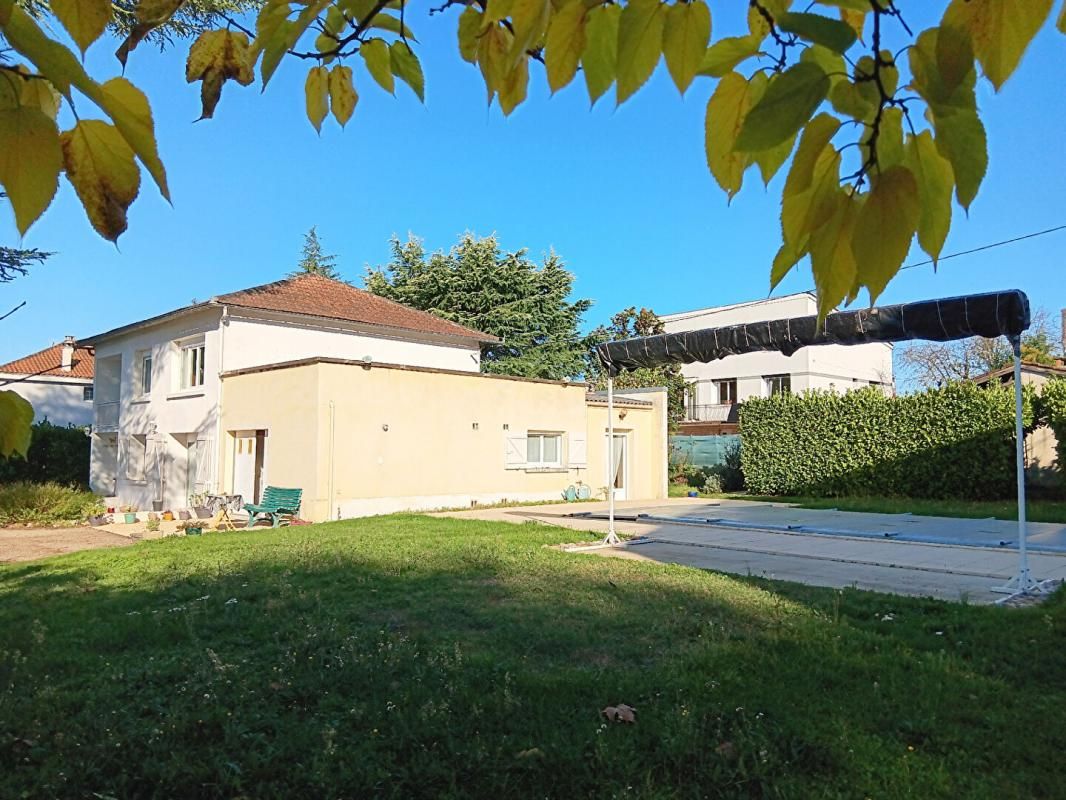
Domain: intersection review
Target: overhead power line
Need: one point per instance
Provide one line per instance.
(985, 247)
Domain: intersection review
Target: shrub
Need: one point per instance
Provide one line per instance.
(45, 503)
(1053, 406)
(59, 454)
(957, 441)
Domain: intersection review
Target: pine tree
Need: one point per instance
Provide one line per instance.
(505, 294)
(314, 261)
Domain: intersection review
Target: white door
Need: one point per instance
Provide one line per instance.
(244, 465)
(618, 472)
(107, 464)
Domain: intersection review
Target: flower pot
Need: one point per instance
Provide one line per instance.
(193, 531)
(168, 516)
(184, 515)
(202, 512)
(131, 517)
(693, 494)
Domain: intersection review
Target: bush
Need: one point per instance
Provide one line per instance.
(23, 502)
(56, 454)
(957, 442)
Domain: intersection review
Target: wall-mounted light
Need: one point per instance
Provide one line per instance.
(622, 414)
(385, 426)
(506, 427)
(474, 426)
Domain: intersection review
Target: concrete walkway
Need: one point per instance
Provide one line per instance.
(821, 548)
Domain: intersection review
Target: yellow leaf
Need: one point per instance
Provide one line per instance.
(961, 139)
(84, 20)
(565, 43)
(129, 110)
(889, 141)
(640, 45)
(784, 261)
(30, 160)
(1001, 30)
(316, 94)
(492, 57)
(725, 114)
(599, 62)
(214, 58)
(150, 14)
(16, 422)
(529, 20)
(726, 53)
(469, 33)
(848, 99)
(832, 259)
(812, 177)
(885, 225)
(275, 34)
(378, 61)
(768, 161)
(936, 181)
(99, 164)
(1061, 24)
(856, 19)
(42, 94)
(342, 95)
(954, 54)
(513, 89)
(406, 67)
(685, 35)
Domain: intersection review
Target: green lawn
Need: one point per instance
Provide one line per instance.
(420, 657)
(1036, 510)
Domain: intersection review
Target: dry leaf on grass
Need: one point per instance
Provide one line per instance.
(620, 713)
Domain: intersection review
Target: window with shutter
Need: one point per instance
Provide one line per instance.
(136, 446)
(578, 450)
(205, 465)
(514, 451)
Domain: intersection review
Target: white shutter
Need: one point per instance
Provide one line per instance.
(205, 465)
(135, 447)
(515, 453)
(577, 450)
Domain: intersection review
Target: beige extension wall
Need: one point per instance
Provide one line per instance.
(362, 440)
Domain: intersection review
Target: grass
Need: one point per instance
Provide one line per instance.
(1036, 510)
(26, 503)
(420, 657)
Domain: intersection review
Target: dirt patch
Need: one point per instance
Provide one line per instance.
(26, 544)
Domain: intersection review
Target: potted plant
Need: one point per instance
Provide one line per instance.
(191, 527)
(130, 513)
(168, 516)
(199, 504)
(152, 525)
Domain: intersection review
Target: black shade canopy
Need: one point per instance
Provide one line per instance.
(988, 315)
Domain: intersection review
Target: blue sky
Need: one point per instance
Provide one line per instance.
(624, 196)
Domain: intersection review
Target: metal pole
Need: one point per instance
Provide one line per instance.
(612, 536)
(1025, 579)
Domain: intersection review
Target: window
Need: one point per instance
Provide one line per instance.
(192, 365)
(136, 447)
(544, 449)
(145, 377)
(778, 384)
(87, 393)
(727, 391)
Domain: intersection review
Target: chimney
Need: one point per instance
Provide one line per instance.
(67, 359)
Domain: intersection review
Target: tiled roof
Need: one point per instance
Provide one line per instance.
(317, 296)
(49, 362)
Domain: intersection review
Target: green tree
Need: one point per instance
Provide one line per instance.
(479, 285)
(314, 260)
(630, 324)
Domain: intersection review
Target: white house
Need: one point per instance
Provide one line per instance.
(720, 385)
(57, 381)
(158, 401)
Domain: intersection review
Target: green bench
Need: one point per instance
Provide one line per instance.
(277, 503)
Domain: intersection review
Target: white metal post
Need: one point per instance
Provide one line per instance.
(1023, 581)
(612, 536)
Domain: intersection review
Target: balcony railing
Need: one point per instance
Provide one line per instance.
(719, 412)
(106, 417)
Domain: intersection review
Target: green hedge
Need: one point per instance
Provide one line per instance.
(59, 454)
(955, 442)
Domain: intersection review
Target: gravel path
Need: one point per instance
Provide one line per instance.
(26, 544)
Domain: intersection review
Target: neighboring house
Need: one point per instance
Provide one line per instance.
(711, 404)
(288, 384)
(1040, 453)
(58, 382)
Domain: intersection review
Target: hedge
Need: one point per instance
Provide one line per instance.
(59, 454)
(953, 442)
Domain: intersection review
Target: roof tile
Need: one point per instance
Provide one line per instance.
(50, 362)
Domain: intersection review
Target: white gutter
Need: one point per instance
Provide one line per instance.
(223, 324)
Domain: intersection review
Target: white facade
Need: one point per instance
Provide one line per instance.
(721, 384)
(158, 395)
(59, 400)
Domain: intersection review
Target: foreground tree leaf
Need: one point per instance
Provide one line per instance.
(600, 59)
(1001, 30)
(85, 20)
(565, 44)
(808, 182)
(342, 95)
(406, 67)
(832, 260)
(316, 95)
(100, 165)
(722, 56)
(936, 181)
(149, 15)
(529, 20)
(787, 105)
(835, 34)
(378, 62)
(686, 32)
(640, 45)
(725, 115)
(16, 423)
(30, 161)
(884, 228)
(214, 58)
(129, 110)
